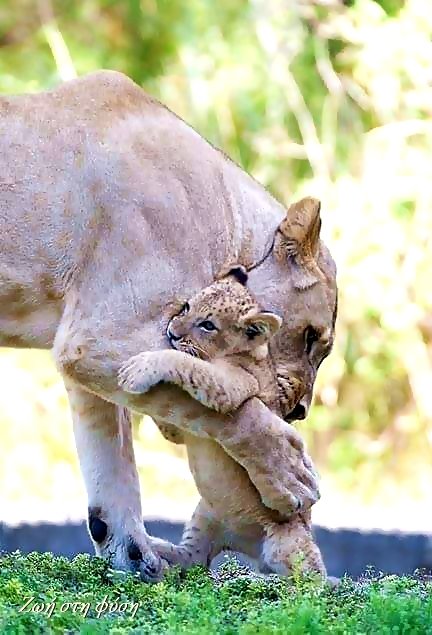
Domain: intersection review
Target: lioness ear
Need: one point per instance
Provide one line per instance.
(261, 326)
(297, 240)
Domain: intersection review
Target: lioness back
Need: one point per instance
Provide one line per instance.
(84, 173)
(53, 152)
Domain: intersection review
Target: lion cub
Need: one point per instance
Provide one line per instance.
(221, 359)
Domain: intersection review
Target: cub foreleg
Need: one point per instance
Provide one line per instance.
(220, 387)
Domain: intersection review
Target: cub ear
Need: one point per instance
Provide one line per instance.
(297, 240)
(261, 326)
(240, 274)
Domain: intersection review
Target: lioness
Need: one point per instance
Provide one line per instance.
(111, 207)
(221, 338)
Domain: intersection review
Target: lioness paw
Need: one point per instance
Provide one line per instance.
(138, 374)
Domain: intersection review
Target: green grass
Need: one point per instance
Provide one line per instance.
(86, 596)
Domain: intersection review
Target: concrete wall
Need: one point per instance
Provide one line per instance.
(344, 551)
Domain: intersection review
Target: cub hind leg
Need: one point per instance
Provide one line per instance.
(290, 546)
(201, 541)
(205, 537)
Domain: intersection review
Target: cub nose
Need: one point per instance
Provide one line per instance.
(171, 336)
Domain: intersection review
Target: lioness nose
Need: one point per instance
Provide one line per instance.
(298, 412)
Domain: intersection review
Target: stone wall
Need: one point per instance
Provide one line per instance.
(344, 551)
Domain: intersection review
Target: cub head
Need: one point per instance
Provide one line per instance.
(223, 319)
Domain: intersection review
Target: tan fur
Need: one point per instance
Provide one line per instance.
(234, 368)
(240, 367)
(111, 209)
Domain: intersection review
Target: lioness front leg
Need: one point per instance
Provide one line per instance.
(104, 442)
(220, 388)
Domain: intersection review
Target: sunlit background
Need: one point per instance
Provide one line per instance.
(325, 98)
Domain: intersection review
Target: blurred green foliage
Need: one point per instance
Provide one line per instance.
(319, 97)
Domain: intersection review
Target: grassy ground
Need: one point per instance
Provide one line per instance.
(40, 593)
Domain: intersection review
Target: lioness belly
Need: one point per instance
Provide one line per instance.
(36, 330)
(225, 486)
(29, 310)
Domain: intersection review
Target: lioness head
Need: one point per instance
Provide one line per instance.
(297, 280)
(223, 319)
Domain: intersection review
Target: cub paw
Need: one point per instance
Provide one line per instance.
(138, 374)
(171, 554)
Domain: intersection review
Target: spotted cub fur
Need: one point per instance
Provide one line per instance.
(221, 338)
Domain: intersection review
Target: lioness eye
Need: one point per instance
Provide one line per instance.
(310, 336)
(208, 326)
(185, 309)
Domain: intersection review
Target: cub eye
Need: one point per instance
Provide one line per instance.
(252, 331)
(185, 309)
(311, 336)
(208, 326)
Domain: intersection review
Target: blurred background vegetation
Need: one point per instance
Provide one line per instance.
(329, 98)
